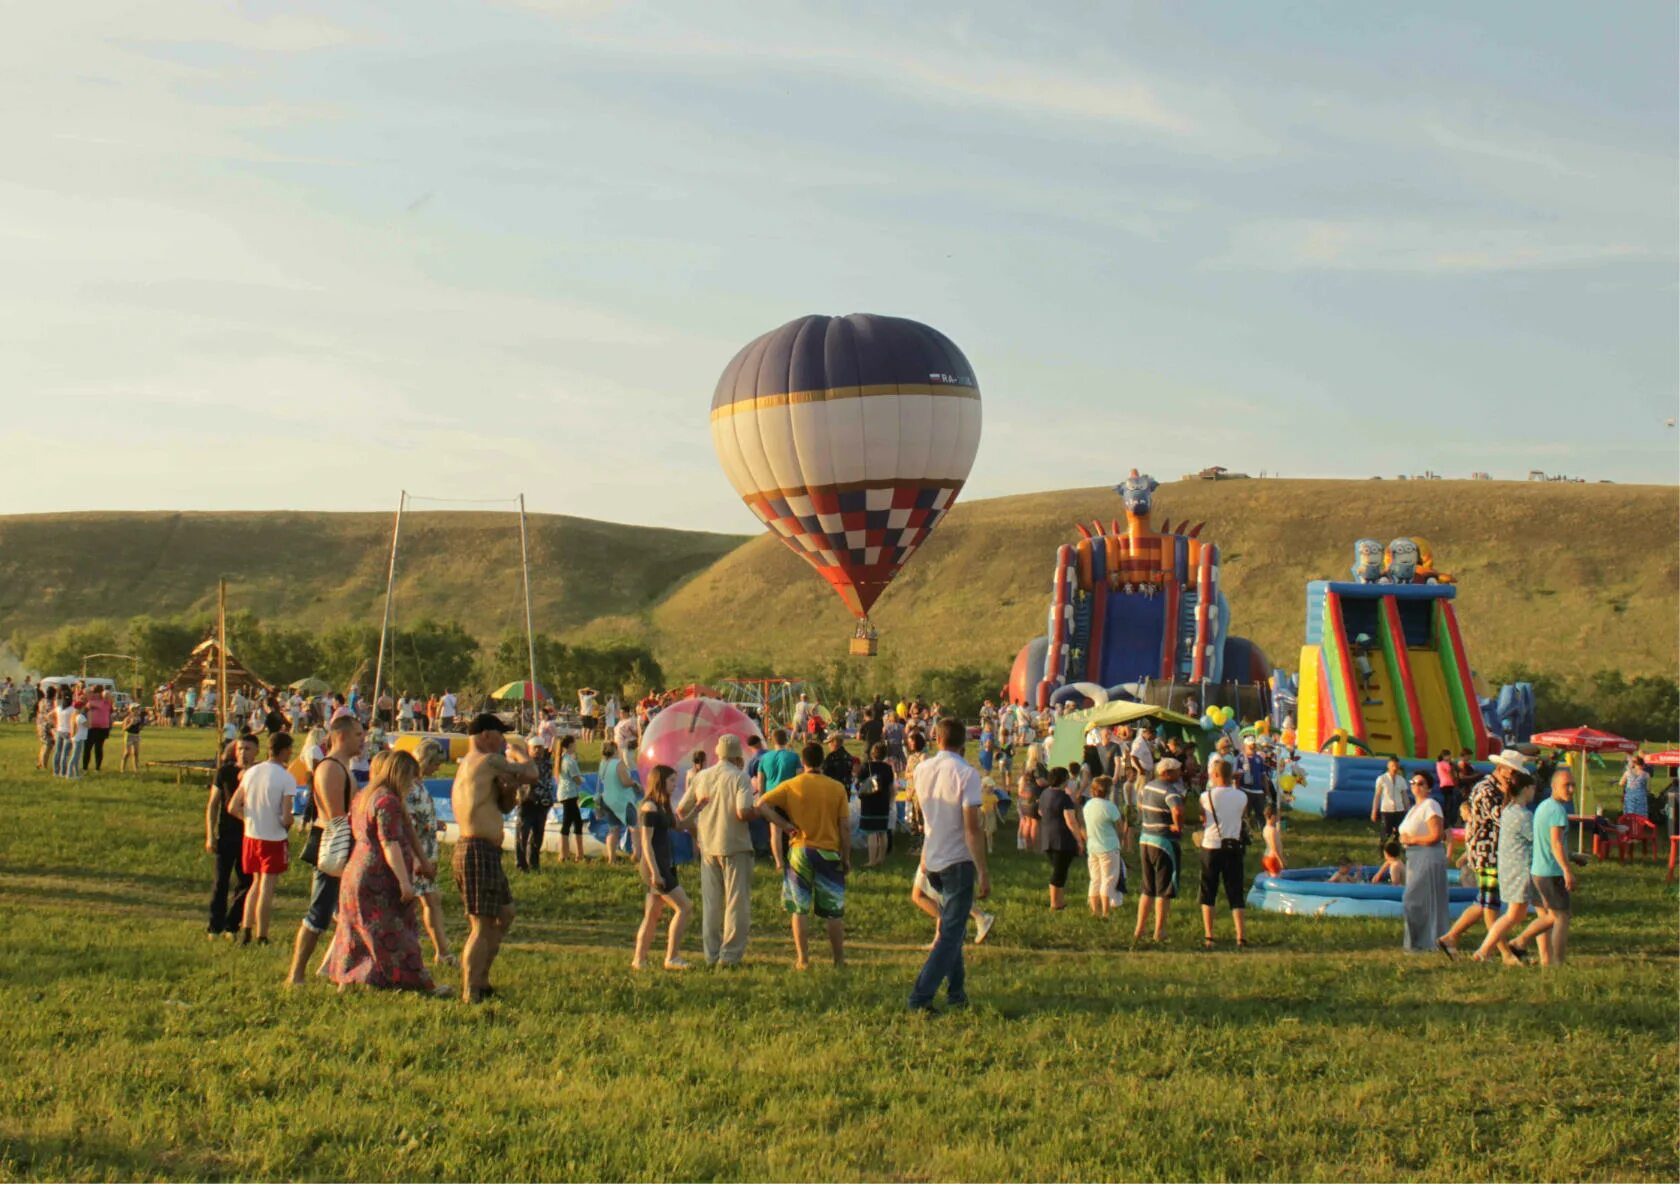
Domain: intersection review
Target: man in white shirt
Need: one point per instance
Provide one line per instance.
(722, 796)
(801, 714)
(264, 802)
(1390, 800)
(446, 711)
(624, 735)
(947, 788)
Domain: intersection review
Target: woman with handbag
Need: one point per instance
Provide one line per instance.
(615, 799)
(378, 939)
(1224, 807)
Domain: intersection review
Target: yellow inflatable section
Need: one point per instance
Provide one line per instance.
(454, 745)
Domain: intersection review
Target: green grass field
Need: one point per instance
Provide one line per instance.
(135, 1048)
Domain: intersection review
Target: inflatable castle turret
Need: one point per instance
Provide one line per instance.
(1129, 603)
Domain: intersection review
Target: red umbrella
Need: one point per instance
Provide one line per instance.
(1584, 740)
(1669, 758)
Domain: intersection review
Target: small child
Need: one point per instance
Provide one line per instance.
(132, 725)
(988, 810)
(987, 752)
(1345, 872)
(1272, 861)
(1393, 869)
(931, 901)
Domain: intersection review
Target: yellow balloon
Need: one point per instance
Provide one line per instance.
(1287, 781)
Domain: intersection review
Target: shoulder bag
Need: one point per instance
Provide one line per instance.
(334, 839)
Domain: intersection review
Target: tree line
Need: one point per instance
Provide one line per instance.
(425, 658)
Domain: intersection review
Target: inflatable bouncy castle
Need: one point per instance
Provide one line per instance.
(1130, 604)
(1384, 673)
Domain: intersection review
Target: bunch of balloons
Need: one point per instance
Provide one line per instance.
(1218, 718)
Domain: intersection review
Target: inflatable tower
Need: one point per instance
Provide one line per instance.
(1129, 603)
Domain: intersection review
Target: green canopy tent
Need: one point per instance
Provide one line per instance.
(1067, 740)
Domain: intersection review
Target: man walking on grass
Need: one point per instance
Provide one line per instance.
(948, 790)
(722, 798)
(812, 810)
(486, 787)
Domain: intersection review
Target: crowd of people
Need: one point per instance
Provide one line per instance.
(371, 827)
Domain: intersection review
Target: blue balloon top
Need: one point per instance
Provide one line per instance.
(820, 353)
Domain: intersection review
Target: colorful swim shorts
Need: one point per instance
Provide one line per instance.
(1487, 887)
(814, 882)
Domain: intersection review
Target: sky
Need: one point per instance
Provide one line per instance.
(306, 255)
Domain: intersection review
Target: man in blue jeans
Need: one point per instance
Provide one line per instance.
(947, 788)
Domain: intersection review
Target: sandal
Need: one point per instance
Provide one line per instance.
(1207, 943)
(446, 960)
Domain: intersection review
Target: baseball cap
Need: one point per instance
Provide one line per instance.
(484, 721)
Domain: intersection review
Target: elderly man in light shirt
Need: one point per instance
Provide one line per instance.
(722, 798)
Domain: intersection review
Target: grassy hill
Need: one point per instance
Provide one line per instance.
(1558, 577)
(325, 569)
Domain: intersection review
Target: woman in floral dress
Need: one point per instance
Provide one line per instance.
(378, 942)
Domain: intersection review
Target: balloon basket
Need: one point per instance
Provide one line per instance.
(863, 647)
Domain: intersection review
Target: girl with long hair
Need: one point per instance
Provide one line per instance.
(659, 872)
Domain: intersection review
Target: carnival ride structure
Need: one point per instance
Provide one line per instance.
(1384, 672)
(1130, 604)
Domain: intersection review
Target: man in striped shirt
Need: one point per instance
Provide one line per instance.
(1161, 812)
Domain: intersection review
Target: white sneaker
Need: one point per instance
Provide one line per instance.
(983, 923)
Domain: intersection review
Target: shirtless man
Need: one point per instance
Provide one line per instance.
(332, 787)
(486, 785)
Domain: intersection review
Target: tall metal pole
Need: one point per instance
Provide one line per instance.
(221, 661)
(530, 634)
(390, 587)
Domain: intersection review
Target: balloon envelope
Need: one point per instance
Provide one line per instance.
(675, 733)
(849, 438)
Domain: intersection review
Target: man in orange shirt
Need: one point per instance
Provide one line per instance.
(812, 809)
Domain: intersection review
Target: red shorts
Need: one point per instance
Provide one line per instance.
(263, 856)
(1272, 864)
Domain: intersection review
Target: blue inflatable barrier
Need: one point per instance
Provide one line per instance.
(1307, 892)
(1341, 786)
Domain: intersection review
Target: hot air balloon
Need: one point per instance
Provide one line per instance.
(849, 438)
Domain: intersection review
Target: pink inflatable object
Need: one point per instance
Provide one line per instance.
(686, 725)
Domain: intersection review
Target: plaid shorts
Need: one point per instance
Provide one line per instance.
(814, 882)
(1487, 887)
(479, 878)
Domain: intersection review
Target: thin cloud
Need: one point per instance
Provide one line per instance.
(1311, 244)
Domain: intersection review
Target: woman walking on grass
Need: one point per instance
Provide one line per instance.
(1516, 886)
(1424, 901)
(1026, 799)
(568, 788)
(46, 726)
(1062, 825)
(378, 942)
(659, 873)
(422, 813)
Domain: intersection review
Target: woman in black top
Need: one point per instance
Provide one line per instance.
(875, 800)
(1060, 825)
(659, 872)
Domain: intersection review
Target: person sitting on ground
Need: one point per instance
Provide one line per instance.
(1393, 869)
(1345, 873)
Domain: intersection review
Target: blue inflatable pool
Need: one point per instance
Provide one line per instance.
(1307, 892)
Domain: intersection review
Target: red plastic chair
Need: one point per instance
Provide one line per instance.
(1633, 831)
(1673, 855)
